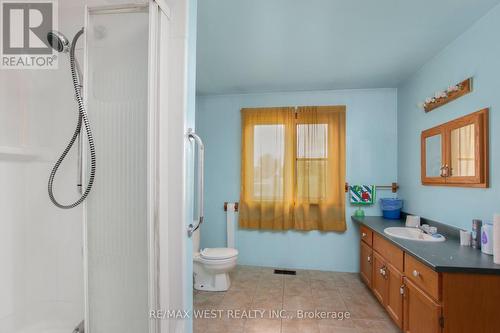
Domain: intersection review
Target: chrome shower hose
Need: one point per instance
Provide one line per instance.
(82, 118)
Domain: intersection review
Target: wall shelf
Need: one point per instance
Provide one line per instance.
(13, 153)
(464, 88)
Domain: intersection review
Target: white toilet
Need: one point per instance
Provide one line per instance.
(211, 266)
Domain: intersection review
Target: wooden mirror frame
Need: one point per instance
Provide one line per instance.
(480, 120)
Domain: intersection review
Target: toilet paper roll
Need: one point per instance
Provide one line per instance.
(496, 239)
(230, 224)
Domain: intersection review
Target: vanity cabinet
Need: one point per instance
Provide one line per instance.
(405, 303)
(394, 302)
(387, 277)
(366, 235)
(422, 314)
(379, 285)
(422, 300)
(366, 260)
(423, 277)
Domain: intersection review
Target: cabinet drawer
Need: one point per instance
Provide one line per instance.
(423, 276)
(366, 235)
(390, 252)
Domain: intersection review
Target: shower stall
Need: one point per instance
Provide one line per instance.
(119, 250)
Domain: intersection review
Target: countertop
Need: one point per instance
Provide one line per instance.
(447, 256)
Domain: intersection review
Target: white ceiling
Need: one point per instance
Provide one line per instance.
(249, 46)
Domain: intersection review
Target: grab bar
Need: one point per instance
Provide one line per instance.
(201, 160)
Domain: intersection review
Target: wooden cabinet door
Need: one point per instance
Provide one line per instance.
(467, 150)
(421, 313)
(366, 259)
(433, 153)
(379, 278)
(394, 300)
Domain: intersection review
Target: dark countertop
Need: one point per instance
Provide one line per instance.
(447, 256)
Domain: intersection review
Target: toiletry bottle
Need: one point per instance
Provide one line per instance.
(476, 233)
(487, 238)
(359, 212)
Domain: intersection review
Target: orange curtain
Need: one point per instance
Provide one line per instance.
(267, 168)
(293, 168)
(320, 195)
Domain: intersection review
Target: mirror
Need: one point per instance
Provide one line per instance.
(463, 151)
(456, 153)
(433, 156)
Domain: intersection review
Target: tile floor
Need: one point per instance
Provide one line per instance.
(257, 288)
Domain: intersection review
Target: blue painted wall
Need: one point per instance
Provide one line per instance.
(371, 158)
(475, 53)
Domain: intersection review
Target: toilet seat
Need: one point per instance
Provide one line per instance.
(218, 253)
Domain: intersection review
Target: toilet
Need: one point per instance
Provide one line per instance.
(211, 266)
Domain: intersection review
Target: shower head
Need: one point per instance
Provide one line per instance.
(58, 41)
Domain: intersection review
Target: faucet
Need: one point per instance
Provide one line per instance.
(425, 228)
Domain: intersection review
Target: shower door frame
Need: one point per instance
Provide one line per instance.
(159, 13)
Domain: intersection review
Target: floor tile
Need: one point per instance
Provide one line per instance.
(237, 300)
(299, 326)
(207, 300)
(331, 329)
(259, 289)
(319, 284)
(298, 302)
(376, 326)
(364, 308)
(269, 300)
(262, 326)
(243, 284)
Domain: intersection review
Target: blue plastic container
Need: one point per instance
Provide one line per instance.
(391, 208)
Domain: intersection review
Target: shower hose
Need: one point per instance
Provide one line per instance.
(82, 118)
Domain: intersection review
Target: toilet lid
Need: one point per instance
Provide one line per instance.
(218, 253)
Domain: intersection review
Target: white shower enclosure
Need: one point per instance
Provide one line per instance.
(131, 241)
(117, 214)
(125, 252)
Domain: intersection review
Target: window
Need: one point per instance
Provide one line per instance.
(269, 142)
(312, 161)
(293, 168)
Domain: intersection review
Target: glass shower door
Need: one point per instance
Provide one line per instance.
(117, 211)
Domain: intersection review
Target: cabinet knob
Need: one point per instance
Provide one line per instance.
(416, 273)
(369, 259)
(445, 171)
(363, 234)
(402, 290)
(382, 271)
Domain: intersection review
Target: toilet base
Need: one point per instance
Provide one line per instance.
(217, 282)
(212, 275)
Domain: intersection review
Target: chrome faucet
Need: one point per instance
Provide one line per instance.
(425, 228)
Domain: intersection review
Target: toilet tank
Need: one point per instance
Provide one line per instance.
(196, 239)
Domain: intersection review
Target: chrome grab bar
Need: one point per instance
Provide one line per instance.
(201, 166)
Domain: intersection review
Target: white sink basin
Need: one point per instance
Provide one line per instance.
(413, 234)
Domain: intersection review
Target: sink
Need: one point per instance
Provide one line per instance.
(413, 234)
